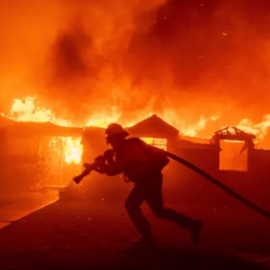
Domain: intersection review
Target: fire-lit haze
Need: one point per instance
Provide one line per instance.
(199, 65)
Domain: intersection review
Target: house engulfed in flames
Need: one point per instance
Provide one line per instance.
(60, 147)
(65, 148)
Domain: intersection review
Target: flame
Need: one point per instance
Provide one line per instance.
(139, 51)
(73, 150)
(259, 129)
(193, 130)
(104, 119)
(70, 147)
(28, 109)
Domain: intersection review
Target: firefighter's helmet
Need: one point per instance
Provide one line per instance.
(115, 130)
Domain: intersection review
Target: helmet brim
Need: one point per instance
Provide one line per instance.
(122, 134)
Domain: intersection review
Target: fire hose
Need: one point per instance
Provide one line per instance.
(101, 159)
(219, 184)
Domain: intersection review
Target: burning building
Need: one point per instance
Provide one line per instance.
(32, 144)
(140, 61)
(49, 152)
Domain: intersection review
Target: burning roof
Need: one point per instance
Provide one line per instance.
(39, 128)
(154, 127)
(233, 133)
(29, 110)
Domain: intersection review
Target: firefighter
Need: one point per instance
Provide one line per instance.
(133, 158)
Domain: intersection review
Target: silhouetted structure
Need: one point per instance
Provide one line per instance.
(154, 127)
(27, 138)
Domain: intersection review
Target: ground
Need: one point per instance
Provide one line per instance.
(96, 234)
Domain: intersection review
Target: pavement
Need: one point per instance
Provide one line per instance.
(95, 235)
(24, 205)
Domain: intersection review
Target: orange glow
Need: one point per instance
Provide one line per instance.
(232, 157)
(138, 61)
(159, 143)
(103, 119)
(193, 130)
(29, 110)
(71, 148)
(147, 140)
(259, 129)
(232, 141)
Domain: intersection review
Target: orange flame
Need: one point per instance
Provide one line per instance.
(73, 150)
(71, 147)
(28, 110)
(259, 129)
(103, 119)
(193, 130)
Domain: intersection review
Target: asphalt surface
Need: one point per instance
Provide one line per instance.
(21, 206)
(96, 234)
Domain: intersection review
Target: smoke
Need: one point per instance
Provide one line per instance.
(85, 57)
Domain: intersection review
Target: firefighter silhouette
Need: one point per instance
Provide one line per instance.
(142, 164)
